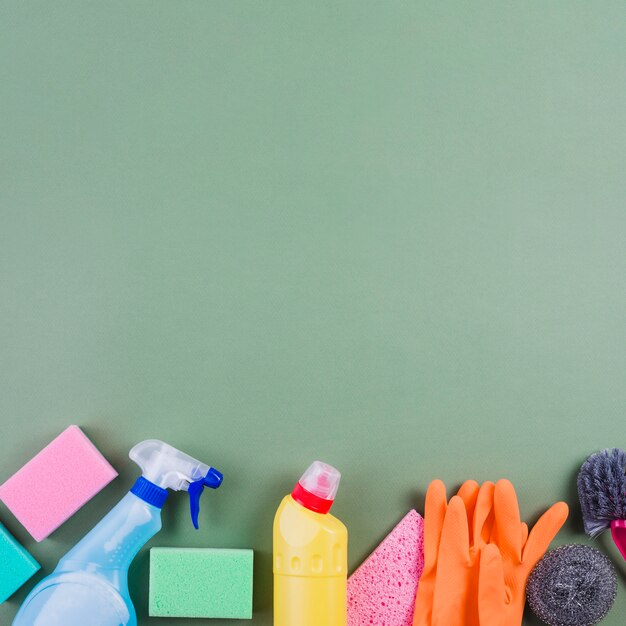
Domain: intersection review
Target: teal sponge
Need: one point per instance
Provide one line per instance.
(16, 565)
(201, 582)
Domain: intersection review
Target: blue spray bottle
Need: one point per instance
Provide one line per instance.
(90, 584)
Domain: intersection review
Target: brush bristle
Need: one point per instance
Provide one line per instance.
(573, 585)
(602, 490)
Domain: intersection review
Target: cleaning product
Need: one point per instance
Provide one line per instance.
(175, 572)
(572, 585)
(602, 493)
(310, 554)
(57, 482)
(89, 585)
(382, 590)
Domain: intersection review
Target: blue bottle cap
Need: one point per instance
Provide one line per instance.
(149, 492)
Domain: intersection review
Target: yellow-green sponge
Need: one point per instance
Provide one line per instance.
(201, 582)
(16, 565)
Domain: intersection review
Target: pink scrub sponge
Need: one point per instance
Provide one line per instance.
(57, 482)
(382, 590)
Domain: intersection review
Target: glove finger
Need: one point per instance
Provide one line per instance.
(524, 534)
(482, 524)
(469, 493)
(424, 601)
(544, 531)
(434, 514)
(507, 521)
(423, 615)
(491, 587)
(452, 568)
(454, 545)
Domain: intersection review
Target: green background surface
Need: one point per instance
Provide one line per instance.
(387, 234)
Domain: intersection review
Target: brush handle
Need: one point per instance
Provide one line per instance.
(618, 532)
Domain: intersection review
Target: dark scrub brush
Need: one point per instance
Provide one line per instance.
(572, 585)
(602, 493)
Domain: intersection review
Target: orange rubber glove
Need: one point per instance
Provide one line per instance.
(507, 561)
(468, 581)
(453, 537)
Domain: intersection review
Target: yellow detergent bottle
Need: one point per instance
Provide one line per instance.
(310, 554)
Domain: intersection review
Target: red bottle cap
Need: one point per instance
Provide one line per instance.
(318, 487)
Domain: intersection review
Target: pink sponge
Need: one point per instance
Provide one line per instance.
(57, 482)
(382, 590)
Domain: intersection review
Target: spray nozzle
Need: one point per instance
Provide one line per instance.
(164, 467)
(212, 480)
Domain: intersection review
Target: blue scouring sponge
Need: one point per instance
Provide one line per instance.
(16, 565)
